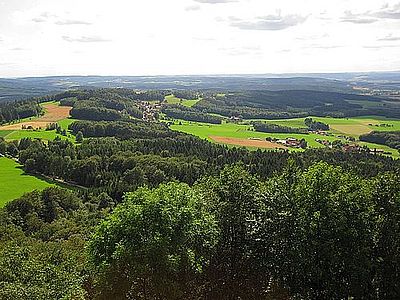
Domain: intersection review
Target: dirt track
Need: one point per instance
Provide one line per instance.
(53, 114)
(247, 142)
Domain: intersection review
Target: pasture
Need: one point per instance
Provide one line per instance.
(348, 126)
(171, 99)
(53, 114)
(14, 181)
(237, 134)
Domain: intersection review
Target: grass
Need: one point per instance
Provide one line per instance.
(14, 182)
(48, 135)
(11, 135)
(349, 126)
(205, 130)
(4, 133)
(66, 122)
(171, 99)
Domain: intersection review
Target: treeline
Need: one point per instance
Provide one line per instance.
(388, 138)
(315, 125)
(13, 111)
(177, 111)
(122, 129)
(275, 128)
(114, 93)
(318, 233)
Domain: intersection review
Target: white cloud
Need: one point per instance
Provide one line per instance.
(358, 18)
(269, 22)
(85, 39)
(192, 7)
(152, 37)
(389, 37)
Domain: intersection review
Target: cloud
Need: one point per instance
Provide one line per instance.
(387, 12)
(323, 47)
(236, 51)
(204, 39)
(47, 17)
(17, 49)
(192, 7)
(215, 1)
(380, 46)
(71, 22)
(44, 17)
(390, 37)
(85, 39)
(270, 22)
(349, 17)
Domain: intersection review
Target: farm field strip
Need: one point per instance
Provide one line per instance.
(247, 142)
(53, 113)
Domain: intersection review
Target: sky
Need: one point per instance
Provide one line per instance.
(178, 37)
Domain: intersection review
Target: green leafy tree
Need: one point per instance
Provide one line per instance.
(154, 245)
(317, 229)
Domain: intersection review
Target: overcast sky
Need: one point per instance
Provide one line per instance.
(153, 37)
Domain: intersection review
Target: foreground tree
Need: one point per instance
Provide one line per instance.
(155, 245)
(318, 231)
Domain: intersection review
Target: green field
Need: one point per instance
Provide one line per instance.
(171, 99)
(36, 134)
(66, 122)
(348, 126)
(14, 182)
(11, 135)
(339, 127)
(4, 133)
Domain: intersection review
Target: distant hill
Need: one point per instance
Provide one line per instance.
(19, 88)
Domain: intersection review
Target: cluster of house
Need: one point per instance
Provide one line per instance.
(320, 132)
(289, 142)
(235, 119)
(348, 147)
(150, 110)
(381, 125)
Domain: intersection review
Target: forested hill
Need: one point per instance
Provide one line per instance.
(295, 103)
(22, 88)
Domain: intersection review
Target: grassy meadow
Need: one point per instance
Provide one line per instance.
(43, 134)
(350, 127)
(171, 99)
(14, 181)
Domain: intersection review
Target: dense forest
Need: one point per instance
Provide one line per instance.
(150, 213)
(12, 111)
(321, 233)
(315, 125)
(389, 138)
(293, 103)
(177, 111)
